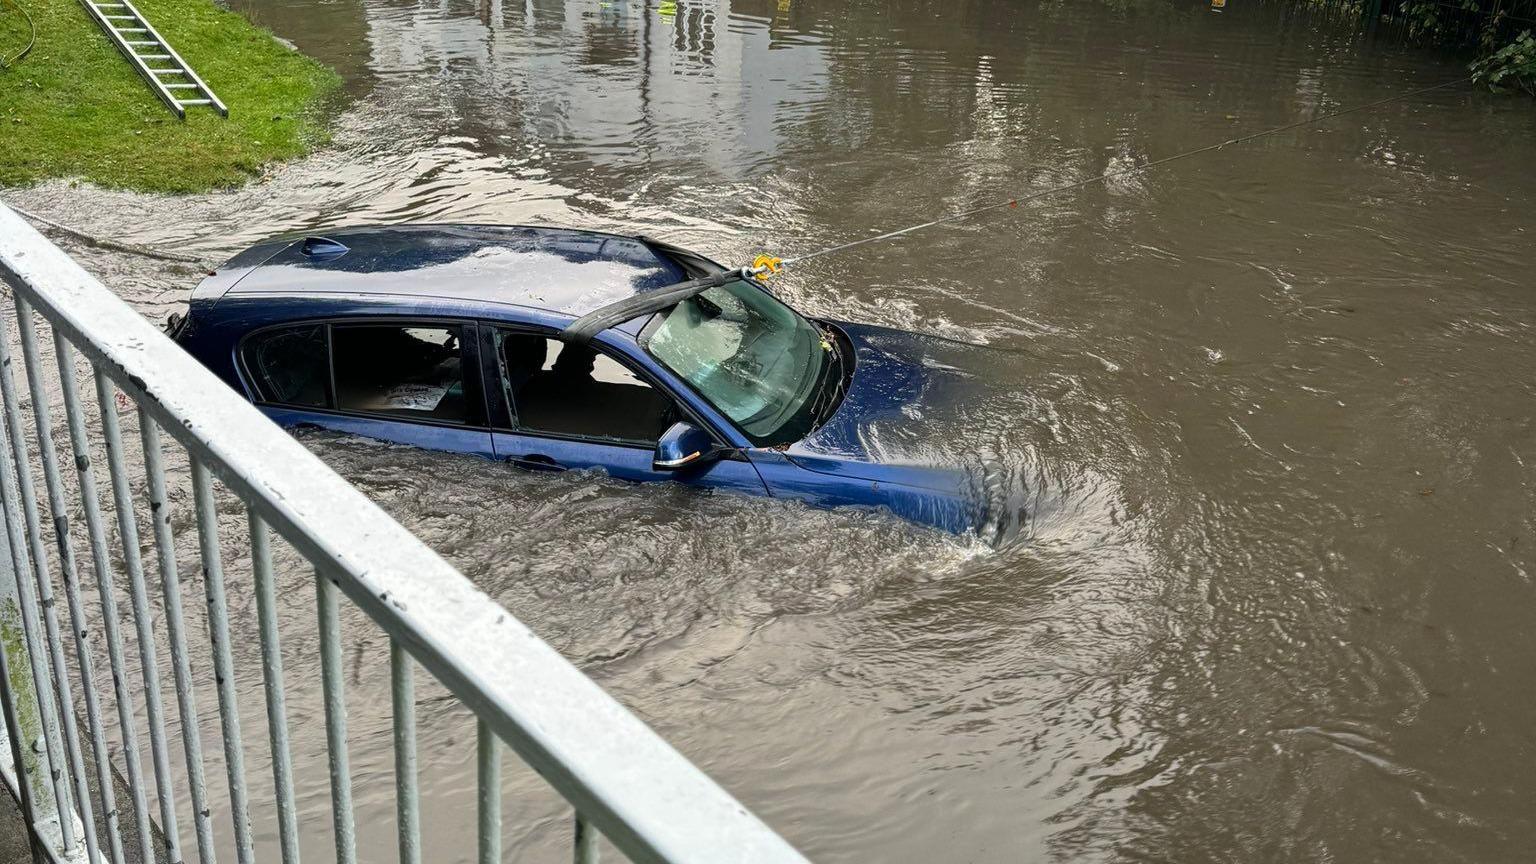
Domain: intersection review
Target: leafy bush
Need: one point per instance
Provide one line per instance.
(1514, 64)
(1504, 61)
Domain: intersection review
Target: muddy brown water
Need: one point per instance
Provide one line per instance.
(1275, 599)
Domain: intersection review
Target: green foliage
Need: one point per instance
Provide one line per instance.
(1514, 64)
(75, 108)
(1486, 26)
(1424, 20)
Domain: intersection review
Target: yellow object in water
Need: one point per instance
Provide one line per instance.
(667, 8)
(1218, 4)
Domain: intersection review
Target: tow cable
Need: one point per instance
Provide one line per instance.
(765, 266)
(112, 245)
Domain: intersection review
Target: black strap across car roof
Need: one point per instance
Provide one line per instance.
(693, 264)
(583, 329)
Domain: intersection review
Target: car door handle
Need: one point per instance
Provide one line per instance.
(536, 462)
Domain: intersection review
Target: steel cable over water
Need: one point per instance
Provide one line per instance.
(763, 270)
(112, 245)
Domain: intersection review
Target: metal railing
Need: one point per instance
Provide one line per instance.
(623, 781)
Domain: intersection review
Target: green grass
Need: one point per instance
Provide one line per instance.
(75, 108)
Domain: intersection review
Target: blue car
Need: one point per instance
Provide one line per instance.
(558, 349)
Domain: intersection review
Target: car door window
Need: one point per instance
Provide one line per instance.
(403, 370)
(569, 390)
(290, 366)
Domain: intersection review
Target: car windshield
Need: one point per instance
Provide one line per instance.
(752, 357)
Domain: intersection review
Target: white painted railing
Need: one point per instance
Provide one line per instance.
(61, 718)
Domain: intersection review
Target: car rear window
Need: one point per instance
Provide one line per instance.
(290, 366)
(407, 371)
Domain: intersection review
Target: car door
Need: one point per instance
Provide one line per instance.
(406, 381)
(557, 407)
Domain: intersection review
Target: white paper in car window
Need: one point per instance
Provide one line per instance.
(415, 397)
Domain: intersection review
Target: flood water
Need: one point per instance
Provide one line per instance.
(1274, 406)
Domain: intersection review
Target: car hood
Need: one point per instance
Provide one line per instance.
(898, 419)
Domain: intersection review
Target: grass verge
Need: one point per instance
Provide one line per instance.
(74, 107)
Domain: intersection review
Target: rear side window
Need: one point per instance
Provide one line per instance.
(291, 366)
(412, 371)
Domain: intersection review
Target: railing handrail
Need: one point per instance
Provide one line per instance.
(644, 796)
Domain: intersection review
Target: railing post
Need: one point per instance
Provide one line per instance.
(111, 625)
(335, 717)
(585, 841)
(407, 809)
(175, 632)
(488, 771)
(272, 682)
(223, 662)
(58, 506)
(149, 669)
(29, 555)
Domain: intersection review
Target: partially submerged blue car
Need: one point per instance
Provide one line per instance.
(558, 349)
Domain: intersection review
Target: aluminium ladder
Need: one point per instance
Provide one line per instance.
(130, 31)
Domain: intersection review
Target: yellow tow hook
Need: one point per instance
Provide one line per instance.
(764, 266)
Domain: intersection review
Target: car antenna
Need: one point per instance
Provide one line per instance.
(765, 266)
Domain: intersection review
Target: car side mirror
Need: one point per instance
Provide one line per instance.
(684, 445)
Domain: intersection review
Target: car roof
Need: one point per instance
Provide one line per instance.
(560, 270)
